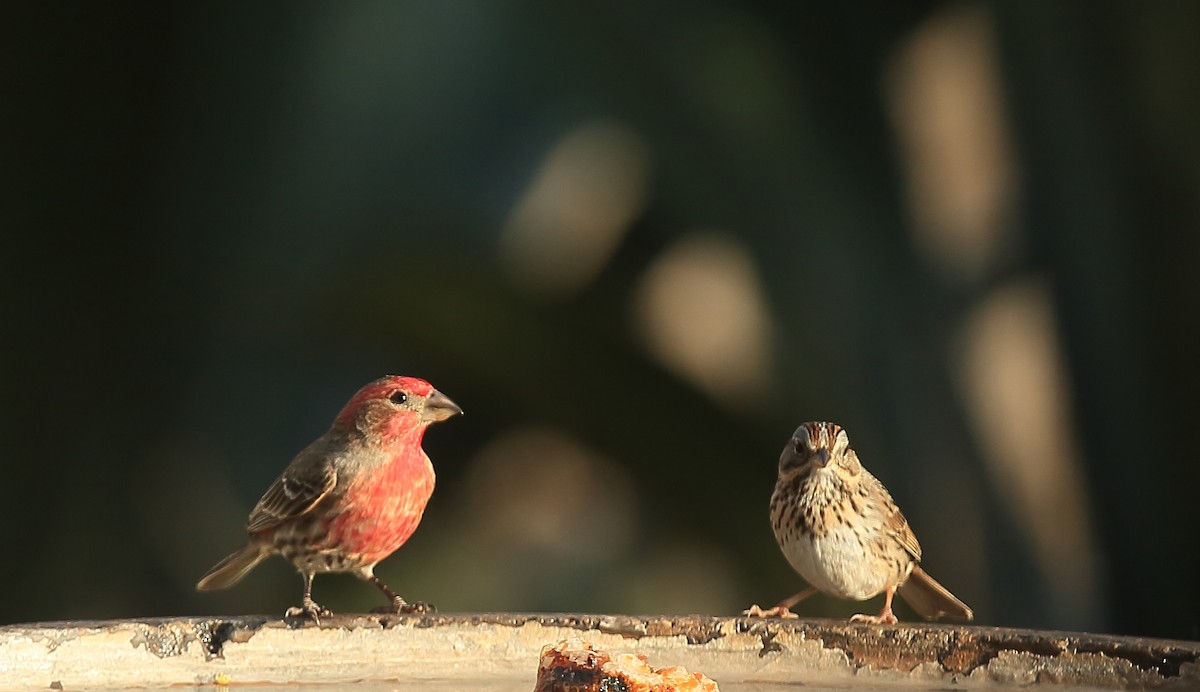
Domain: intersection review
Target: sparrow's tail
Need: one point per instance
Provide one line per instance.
(230, 571)
(930, 598)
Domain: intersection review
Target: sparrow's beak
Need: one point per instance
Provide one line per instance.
(438, 407)
(822, 457)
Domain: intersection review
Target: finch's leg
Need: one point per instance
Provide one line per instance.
(885, 616)
(783, 609)
(308, 607)
(399, 605)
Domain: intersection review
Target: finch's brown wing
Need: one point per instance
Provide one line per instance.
(294, 493)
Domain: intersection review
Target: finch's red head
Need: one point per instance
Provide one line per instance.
(392, 405)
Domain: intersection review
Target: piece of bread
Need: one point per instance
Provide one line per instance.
(576, 666)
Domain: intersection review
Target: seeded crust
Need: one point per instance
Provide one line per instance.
(573, 665)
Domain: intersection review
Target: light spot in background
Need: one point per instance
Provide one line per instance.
(1015, 388)
(575, 212)
(945, 102)
(540, 522)
(540, 491)
(680, 578)
(699, 309)
(544, 523)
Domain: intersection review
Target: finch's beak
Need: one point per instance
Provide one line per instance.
(438, 407)
(822, 457)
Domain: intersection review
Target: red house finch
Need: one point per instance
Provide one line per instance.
(352, 497)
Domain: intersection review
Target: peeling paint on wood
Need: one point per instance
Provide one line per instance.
(503, 648)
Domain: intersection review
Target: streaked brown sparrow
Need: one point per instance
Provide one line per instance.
(840, 529)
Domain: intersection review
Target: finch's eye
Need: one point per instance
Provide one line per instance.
(398, 398)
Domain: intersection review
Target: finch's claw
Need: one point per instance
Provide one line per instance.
(403, 607)
(418, 608)
(309, 610)
(778, 611)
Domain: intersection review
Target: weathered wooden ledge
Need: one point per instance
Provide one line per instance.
(499, 651)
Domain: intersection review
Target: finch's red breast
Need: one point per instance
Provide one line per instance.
(383, 507)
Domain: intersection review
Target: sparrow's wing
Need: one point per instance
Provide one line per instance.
(895, 523)
(898, 527)
(294, 493)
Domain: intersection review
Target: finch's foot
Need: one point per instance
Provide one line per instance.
(418, 608)
(310, 610)
(403, 607)
(779, 611)
(884, 618)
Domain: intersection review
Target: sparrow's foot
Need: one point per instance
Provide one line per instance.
(886, 617)
(779, 611)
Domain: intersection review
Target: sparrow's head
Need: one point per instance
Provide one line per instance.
(819, 447)
(394, 404)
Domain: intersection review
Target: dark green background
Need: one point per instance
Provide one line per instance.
(206, 250)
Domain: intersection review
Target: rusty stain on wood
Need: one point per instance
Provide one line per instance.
(267, 649)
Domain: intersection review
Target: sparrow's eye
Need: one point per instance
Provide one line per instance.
(398, 398)
(799, 446)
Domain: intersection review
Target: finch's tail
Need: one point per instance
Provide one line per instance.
(930, 598)
(230, 571)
